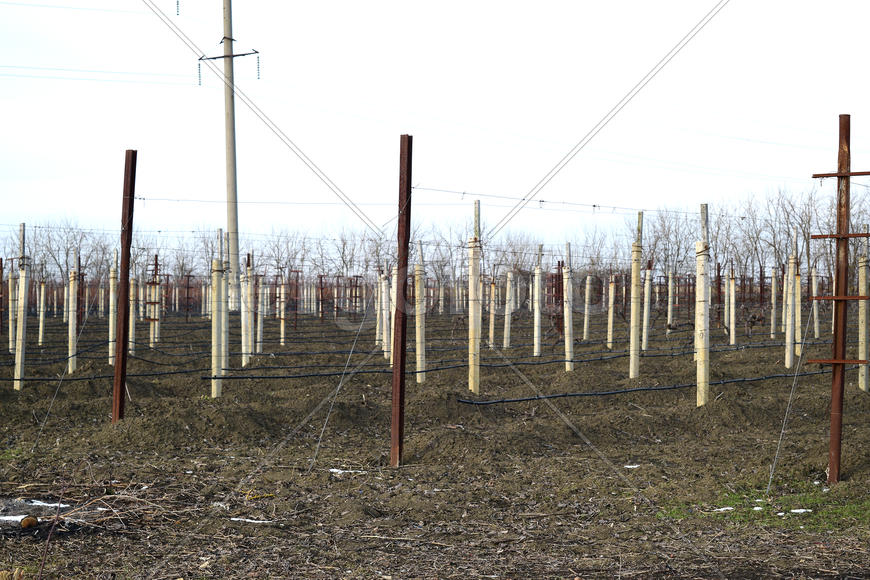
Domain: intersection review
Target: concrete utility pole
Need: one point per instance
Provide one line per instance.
(230, 127)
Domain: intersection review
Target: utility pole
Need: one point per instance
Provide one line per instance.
(230, 127)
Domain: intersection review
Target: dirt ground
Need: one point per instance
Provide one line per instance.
(287, 474)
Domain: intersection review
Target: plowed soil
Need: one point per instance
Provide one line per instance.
(286, 474)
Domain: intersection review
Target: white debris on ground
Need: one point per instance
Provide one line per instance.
(340, 472)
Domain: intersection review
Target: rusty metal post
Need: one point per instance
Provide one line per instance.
(842, 284)
(123, 321)
(397, 428)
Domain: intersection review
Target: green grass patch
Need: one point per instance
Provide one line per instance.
(808, 506)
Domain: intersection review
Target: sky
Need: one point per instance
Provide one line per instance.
(494, 94)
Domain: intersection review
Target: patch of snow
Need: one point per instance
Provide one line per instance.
(44, 504)
(633, 466)
(757, 508)
(246, 520)
(727, 508)
(12, 518)
(801, 511)
(343, 471)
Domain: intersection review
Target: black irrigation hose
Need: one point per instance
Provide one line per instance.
(640, 389)
(97, 377)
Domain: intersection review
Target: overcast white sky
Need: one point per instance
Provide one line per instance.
(494, 93)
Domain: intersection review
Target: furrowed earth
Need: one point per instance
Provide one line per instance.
(287, 474)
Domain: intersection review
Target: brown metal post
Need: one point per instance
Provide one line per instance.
(397, 427)
(842, 277)
(124, 287)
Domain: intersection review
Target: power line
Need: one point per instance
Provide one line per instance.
(629, 96)
(271, 125)
(592, 206)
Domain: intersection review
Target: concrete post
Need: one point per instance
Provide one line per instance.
(113, 313)
(161, 306)
(379, 316)
(216, 334)
(243, 312)
(816, 325)
(702, 325)
(72, 330)
(151, 314)
(647, 292)
(474, 308)
(728, 302)
(13, 309)
(634, 322)
(670, 302)
(611, 302)
(787, 296)
(41, 312)
(21, 331)
(134, 296)
(587, 307)
(798, 319)
(282, 309)
(732, 314)
(508, 310)
(568, 315)
(420, 319)
(773, 303)
(493, 306)
(788, 301)
(394, 290)
(224, 309)
(143, 290)
(863, 354)
(65, 285)
(261, 316)
(386, 323)
(536, 309)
